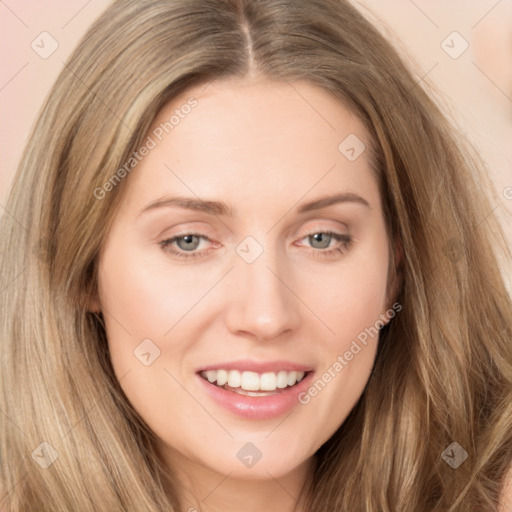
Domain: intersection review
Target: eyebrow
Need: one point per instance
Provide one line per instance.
(222, 209)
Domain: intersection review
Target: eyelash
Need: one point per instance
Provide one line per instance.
(346, 243)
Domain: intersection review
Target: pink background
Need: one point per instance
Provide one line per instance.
(476, 87)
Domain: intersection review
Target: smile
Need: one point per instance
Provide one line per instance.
(255, 390)
(251, 383)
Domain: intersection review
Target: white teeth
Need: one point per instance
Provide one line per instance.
(292, 378)
(252, 381)
(268, 381)
(222, 377)
(282, 379)
(234, 379)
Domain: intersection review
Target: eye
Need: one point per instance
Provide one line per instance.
(186, 243)
(321, 240)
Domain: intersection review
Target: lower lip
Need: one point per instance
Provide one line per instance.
(261, 407)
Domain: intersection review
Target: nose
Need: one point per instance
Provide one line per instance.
(262, 301)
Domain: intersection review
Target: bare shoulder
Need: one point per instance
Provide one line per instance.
(506, 494)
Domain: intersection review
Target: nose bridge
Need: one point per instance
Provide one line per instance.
(262, 303)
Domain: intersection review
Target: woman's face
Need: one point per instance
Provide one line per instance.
(220, 265)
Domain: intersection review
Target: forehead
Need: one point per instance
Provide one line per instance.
(253, 140)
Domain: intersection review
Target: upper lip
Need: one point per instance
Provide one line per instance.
(247, 365)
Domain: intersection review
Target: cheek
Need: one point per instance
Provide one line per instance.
(145, 306)
(354, 297)
(353, 314)
(138, 311)
(353, 306)
(141, 296)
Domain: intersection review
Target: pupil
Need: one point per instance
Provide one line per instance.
(318, 238)
(188, 240)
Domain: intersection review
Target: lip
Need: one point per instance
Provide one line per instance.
(247, 365)
(257, 408)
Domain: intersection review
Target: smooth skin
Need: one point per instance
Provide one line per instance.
(264, 148)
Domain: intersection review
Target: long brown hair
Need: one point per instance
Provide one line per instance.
(443, 373)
